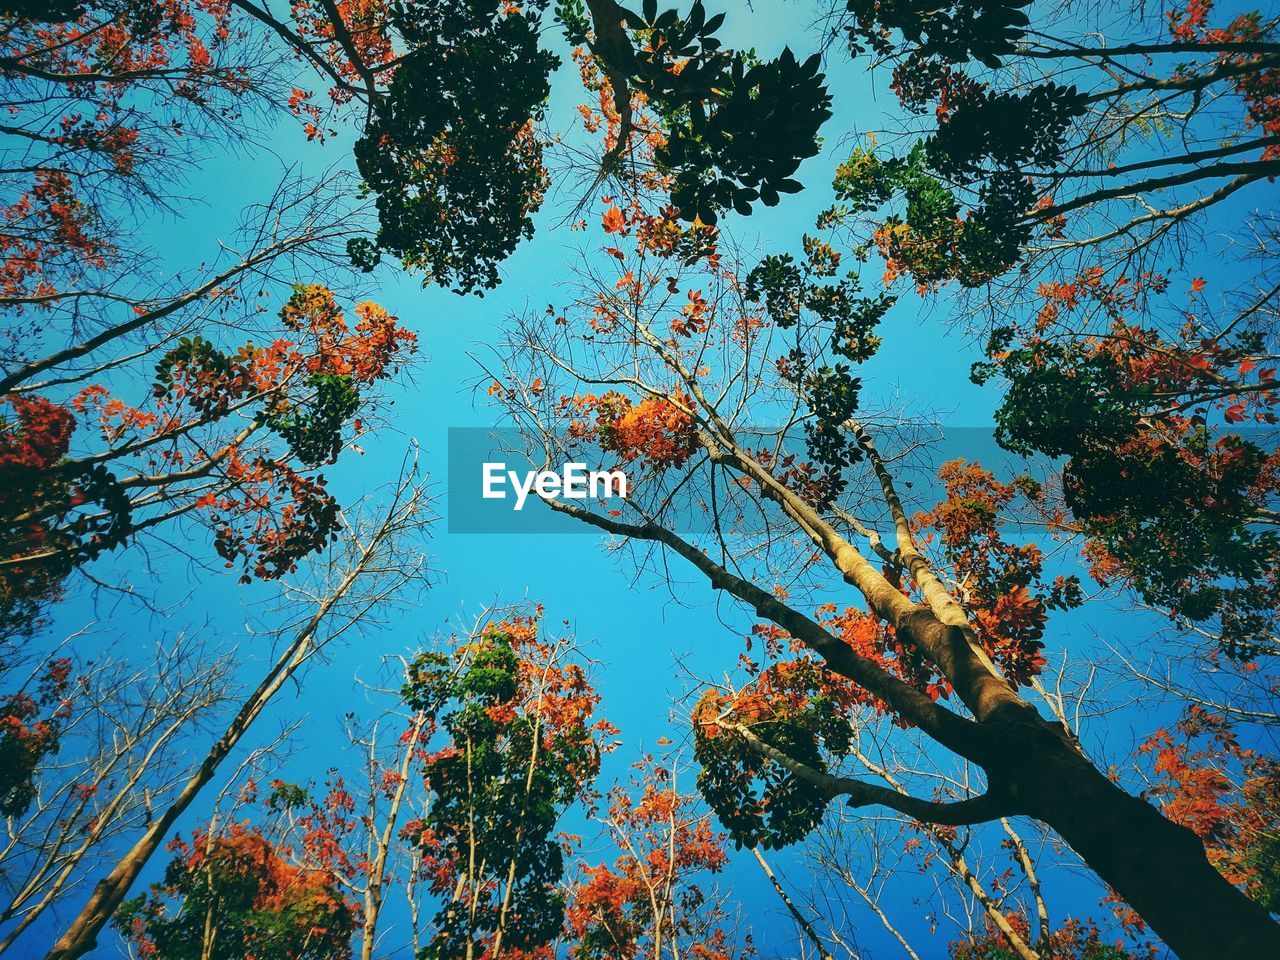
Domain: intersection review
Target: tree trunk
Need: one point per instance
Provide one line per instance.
(1155, 865)
(109, 893)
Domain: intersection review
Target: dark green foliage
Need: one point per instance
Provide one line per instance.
(983, 30)
(572, 16)
(144, 17)
(1174, 506)
(942, 240)
(759, 801)
(314, 429)
(778, 282)
(1010, 130)
(843, 323)
(50, 11)
(737, 128)
(1185, 533)
(198, 363)
(450, 152)
(286, 796)
(996, 231)
(1058, 397)
(995, 138)
(364, 254)
(31, 725)
(988, 143)
(751, 142)
(1261, 857)
(786, 289)
(832, 394)
(452, 158)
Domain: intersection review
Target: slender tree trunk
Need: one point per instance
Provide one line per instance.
(1033, 766)
(1033, 881)
(82, 935)
(374, 893)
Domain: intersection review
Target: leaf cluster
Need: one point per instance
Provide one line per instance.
(737, 128)
(450, 152)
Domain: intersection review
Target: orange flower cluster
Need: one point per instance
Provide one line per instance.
(1259, 89)
(254, 885)
(602, 116)
(365, 354)
(269, 518)
(368, 31)
(658, 431)
(1145, 359)
(554, 689)
(1002, 582)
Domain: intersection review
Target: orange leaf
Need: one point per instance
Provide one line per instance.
(613, 220)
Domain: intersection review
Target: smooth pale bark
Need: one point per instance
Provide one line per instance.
(801, 920)
(374, 892)
(1033, 765)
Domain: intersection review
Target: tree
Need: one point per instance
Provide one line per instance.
(107, 99)
(137, 393)
(681, 412)
(453, 94)
(226, 434)
(110, 753)
(31, 724)
(1017, 165)
(653, 900)
(977, 892)
(1077, 941)
(355, 831)
(494, 736)
(1037, 139)
(518, 747)
(446, 87)
(1165, 416)
(239, 895)
(374, 563)
(1018, 168)
(1225, 792)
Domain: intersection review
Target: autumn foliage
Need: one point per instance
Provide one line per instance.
(31, 724)
(1228, 793)
(654, 899)
(236, 894)
(913, 674)
(227, 436)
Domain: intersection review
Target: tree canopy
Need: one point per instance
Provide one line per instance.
(1011, 700)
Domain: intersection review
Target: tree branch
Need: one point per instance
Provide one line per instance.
(957, 733)
(974, 810)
